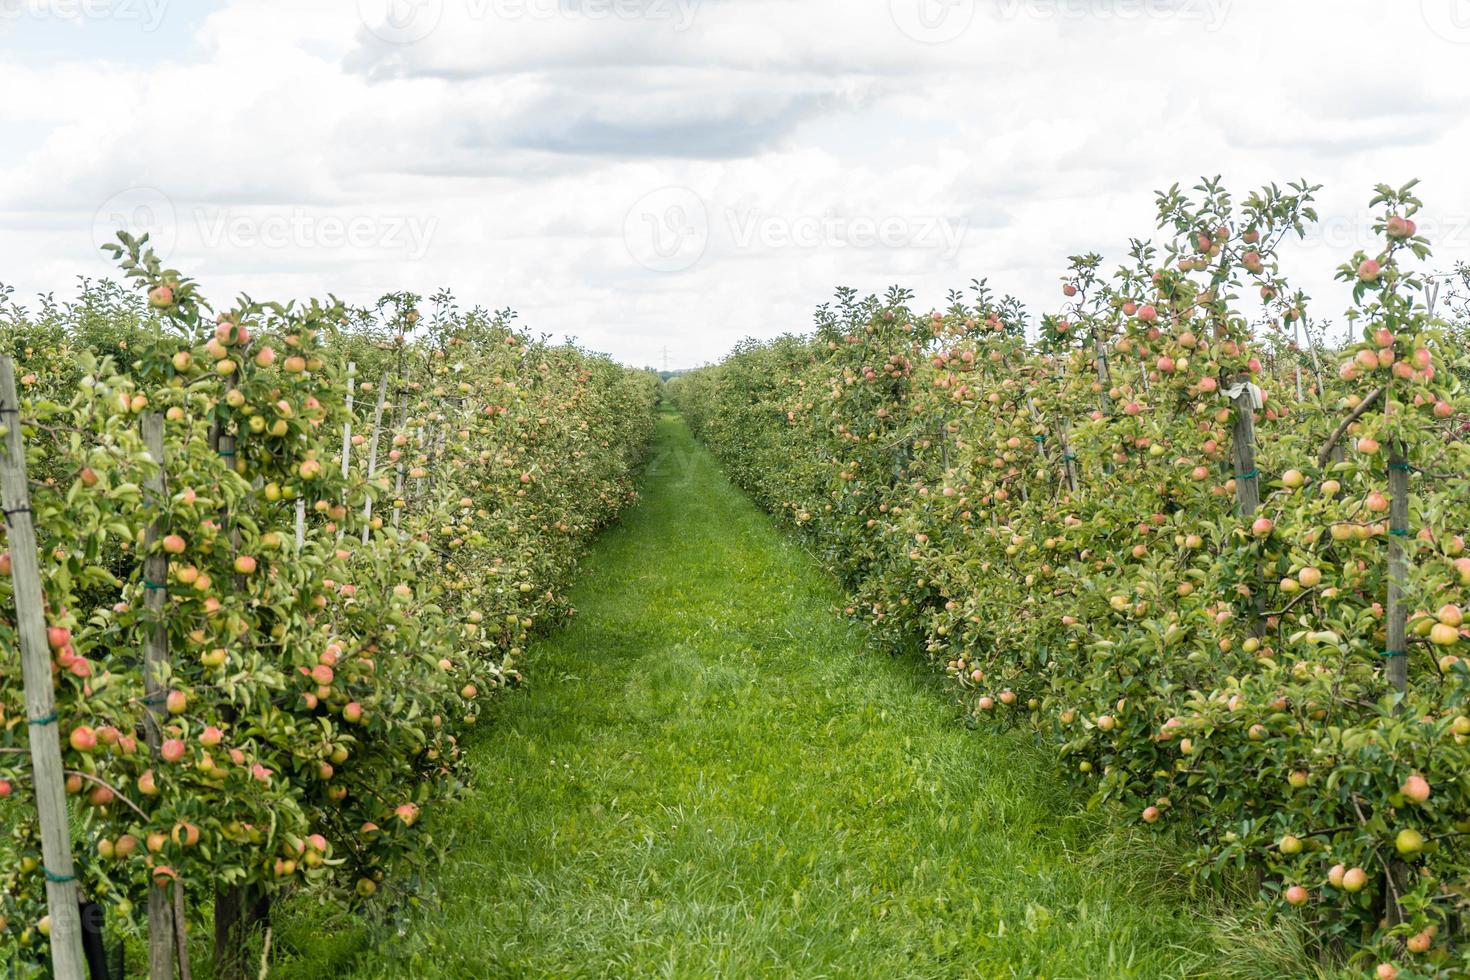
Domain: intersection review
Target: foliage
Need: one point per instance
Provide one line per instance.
(1064, 524)
(318, 681)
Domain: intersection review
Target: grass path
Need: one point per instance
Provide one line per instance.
(711, 777)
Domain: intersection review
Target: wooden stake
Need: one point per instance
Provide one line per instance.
(372, 468)
(1100, 360)
(1398, 567)
(48, 774)
(347, 426)
(1248, 481)
(1396, 649)
(155, 679)
(1243, 444)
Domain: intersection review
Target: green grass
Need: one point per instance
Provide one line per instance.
(711, 776)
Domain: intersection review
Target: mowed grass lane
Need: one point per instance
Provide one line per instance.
(711, 776)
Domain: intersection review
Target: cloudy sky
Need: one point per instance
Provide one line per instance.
(678, 174)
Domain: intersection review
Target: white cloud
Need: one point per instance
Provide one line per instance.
(502, 147)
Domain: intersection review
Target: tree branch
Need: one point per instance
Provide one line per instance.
(1353, 416)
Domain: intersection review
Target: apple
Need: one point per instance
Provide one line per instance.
(1444, 635)
(1369, 271)
(352, 712)
(172, 750)
(1262, 526)
(1296, 895)
(1151, 814)
(1415, 788)
(1290, 844)
(1399, 228)
(245, 564)
(83, 739)
(174, 544)
(161, 297)
(1409, 842)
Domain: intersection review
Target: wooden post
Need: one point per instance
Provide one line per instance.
(347, 426)
(1067, 468)
(1100, 360)
(1396, 647)
(1069, 458)
(1248, 481)
(1398, 567)
(300, 523)
(155, 678)
(401, 394)
(1397, 612)
(1316, 361)
(418, 483)
(1243, 445)
(230, 901)
(1297, 336)
(372, 467)
(397, 492)
(1104, 384)
(46, 766)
